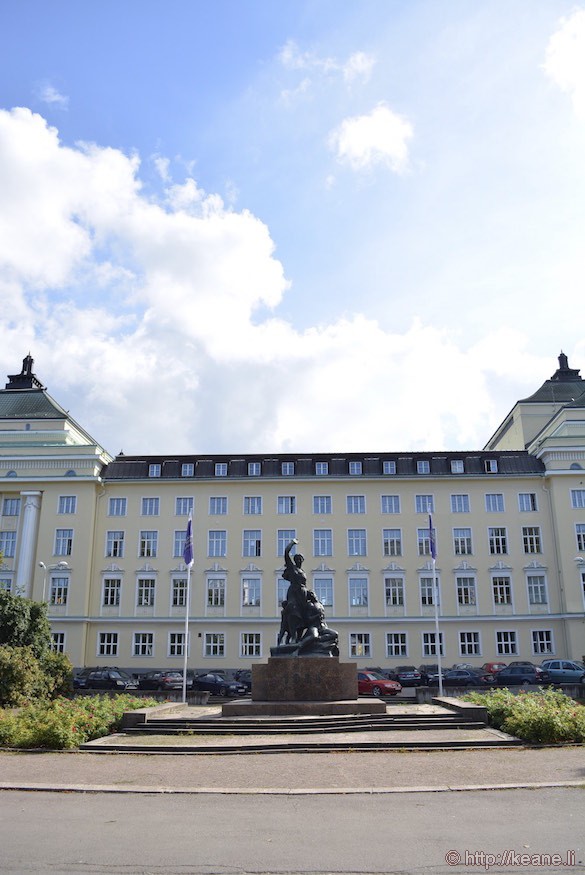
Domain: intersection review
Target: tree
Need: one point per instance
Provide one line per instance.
(24, 623)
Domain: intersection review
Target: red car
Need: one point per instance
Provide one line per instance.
(376, 684)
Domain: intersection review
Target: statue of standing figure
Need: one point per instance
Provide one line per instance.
(303, 630)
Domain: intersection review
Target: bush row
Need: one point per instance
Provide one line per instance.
(65, 723)
(547, 716)
(25, 675)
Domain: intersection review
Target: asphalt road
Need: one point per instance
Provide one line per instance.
(428, 833)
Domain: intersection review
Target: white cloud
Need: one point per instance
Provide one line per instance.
(380, 137)
(565, 59)
(49, 94)
(357, 67)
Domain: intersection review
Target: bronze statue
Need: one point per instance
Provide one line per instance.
(303, 630)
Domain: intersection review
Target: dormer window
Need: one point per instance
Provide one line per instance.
(187, 469)
(457, 466)
(254, 469)
(423, 466)
(388, 467)
(221, 469)
(355, 468)
(491, 466)
(287, 469)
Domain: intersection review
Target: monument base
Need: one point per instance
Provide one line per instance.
(304, 679)
(247, 708)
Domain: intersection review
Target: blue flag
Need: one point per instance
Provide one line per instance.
(432, 538)
(188, 549)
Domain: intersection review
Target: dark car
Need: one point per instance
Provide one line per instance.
(110, 679)
(164, 680)
(429, 674)
(80, 679)
(406, 675)
(466, 677)
(219, 686)
(244, 676)
(522, 674)
(376, 684)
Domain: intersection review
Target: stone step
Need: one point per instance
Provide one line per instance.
(286, 727)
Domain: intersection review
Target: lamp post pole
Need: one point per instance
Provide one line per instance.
(44, 567)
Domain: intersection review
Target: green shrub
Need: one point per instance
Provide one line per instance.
(547, 716)
(66, 723)
(21, 676)
(58, 674)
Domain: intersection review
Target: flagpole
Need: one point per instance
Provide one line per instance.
(188, 559)
(433, 544)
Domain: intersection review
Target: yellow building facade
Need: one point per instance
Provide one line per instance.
(101, 539)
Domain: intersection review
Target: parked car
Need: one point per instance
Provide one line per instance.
(80, 679)
(493, 667)
(374, 683)
(514, 675)
(219, 686)
(244, 676)
(406, 675)
(385, 672)
(564, 671)
(430, 674)
(466, 677)
(110, 679)
(164, 680)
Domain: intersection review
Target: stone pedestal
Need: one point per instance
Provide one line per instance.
(304, 679)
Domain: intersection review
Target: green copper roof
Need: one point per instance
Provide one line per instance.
(29, 404)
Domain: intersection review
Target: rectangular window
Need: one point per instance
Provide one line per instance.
(148, 544)
(59, 591)
(214, 644)
(111, 592)
(215, 592)
(11, 507)
(8, 545)
(498, 541)
(117, 507)
(356, 503)
(323, 589)
(321, 468)
(388, 467)
(542, 642)
(179, 538)
(424, 504)
(430, 644)
(142, 644)
(107, 644)
(502, 590)
(221, 469)
(283, 539)
(218, 505)
(183, 506)
(427, 591)
(145, 592)
(356, 542)
(150, 507)
(281, 590)
(506, 644)
(179, 592)
(187, 469)
(254, 469)
(494, 502)
(577, 498)
(457, 466)
(358, 591)
(527, 501)
(462, 542)
(286, 504)
(491, 466)
(537, 594)
(176, 643)
(580, 533)
(154, 470)
(115, 544)
(250, 644)
(322, 542)
(57, 642)
(460, 504)
(359, 644)
(394, 591)
(67, 504)
(423, 466)
(5, 584)
(251, 589)
(423, 537)
(355, 468)
(390, 503)
(217, 542)
(63, 542)
(321, 504)
(252, 542)
(531, 539)
(252, 504)
(396, 644)
(392, 542)
(469, 644)
(466, 590)
(287, 469)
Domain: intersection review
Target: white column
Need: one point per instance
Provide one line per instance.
(28, 543)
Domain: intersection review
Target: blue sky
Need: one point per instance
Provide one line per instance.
(270, 226)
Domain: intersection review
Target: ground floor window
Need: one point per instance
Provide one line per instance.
(506, 644)
(469, 644)
(107, 644)
(176, 643)
(214, 644)
(542, 641)
(143, 644)
(396, 644)
(359, 644)
(58, 642)
(429, 646)
(250, 644)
